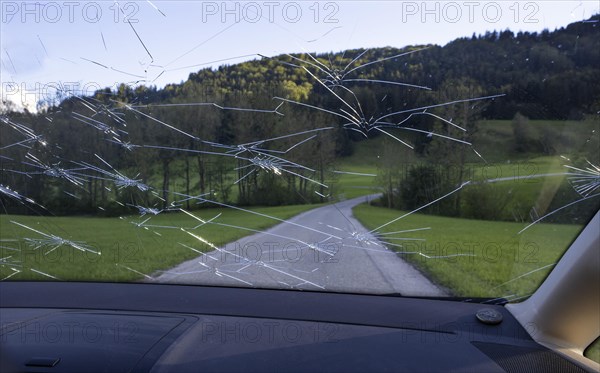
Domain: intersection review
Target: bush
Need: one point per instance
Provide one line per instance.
(485, 202)
(424, 184)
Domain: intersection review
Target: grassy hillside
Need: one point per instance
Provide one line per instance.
(494, 254)
(123, 244)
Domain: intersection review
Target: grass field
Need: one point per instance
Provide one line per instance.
(122, 243)
(495, 140)
(497, 255)
(356, 181)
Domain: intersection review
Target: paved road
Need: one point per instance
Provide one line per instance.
(282, 256)
(535, 176)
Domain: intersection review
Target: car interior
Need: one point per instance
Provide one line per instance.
(326, 186)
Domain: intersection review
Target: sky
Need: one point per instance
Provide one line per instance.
(83, 46)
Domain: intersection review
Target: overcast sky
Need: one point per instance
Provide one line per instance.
(88, 45)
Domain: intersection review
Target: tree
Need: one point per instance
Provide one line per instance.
(452, 155)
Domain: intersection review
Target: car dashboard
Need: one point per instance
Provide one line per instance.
(120, 327)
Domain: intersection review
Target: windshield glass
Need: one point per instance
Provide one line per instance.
(414, 148)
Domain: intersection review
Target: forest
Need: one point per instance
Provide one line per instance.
(152, 135)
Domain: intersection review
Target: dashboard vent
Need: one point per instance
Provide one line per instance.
(526, 359)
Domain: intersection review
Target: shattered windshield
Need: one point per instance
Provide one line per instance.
(412, 148)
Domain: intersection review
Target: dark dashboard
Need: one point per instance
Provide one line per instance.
(109, 327)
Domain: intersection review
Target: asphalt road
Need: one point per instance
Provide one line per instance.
(317, 250)
(524, 177)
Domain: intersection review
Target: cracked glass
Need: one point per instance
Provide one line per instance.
(408, 148)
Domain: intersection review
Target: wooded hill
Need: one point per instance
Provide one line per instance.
(547, 75)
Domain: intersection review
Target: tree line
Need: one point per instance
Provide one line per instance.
(546, 75)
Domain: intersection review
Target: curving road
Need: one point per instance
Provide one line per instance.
(282, 257)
